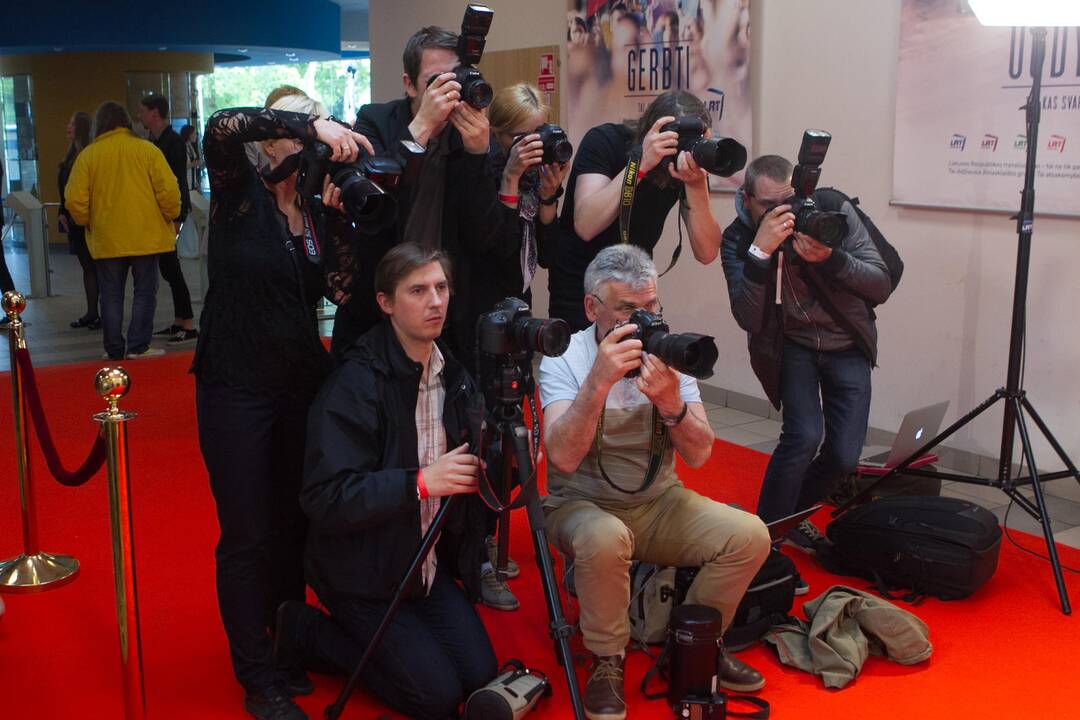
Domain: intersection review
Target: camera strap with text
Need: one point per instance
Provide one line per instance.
(626, 206)
(312, 250)
(658, 445)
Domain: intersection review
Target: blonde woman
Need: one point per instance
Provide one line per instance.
(258, 363)
(528, 188)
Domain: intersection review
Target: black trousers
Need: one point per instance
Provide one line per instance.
(253, 447)
(434, 654)
(170, 272)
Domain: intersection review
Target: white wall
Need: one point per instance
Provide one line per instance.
(831, 64)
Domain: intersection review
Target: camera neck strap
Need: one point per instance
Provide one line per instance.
(657, 446)
(631, 178)
(312, 249)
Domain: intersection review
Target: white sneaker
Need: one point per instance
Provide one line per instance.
(147, 353)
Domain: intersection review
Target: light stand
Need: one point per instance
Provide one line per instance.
(1016, 402)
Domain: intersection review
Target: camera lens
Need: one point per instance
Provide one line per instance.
(477, 91)
(828, 228)
(549, 337)
(561, 151)
(720, 156)
(365, 202)
(689, 353)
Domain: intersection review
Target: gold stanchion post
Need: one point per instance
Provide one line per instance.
(34, 570)
(112, 384)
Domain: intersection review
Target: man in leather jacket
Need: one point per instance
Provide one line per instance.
(812, 342)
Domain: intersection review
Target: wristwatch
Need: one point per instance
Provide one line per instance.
(673, 421)
(554, 198)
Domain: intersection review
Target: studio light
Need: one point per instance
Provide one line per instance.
(1027, 13)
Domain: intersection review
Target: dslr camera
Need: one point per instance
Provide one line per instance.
(557, 146)
(363, 184)
(475, 90)
(510, 329)
(827, 227)
(688, 353)
(506, 338)
(718, 156)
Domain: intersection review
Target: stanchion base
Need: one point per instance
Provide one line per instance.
(37, 573)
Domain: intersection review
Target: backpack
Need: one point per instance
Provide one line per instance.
(938, 546)
(655, 591)
(832, 199)
(652, 598)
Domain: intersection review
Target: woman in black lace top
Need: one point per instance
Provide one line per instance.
(258, 363)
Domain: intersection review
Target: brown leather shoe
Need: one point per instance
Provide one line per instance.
(737, 676)
(603, 697)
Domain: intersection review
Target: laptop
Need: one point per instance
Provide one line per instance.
(918, 427)
(779, 528)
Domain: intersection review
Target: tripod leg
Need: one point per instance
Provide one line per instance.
(1051, 439)
(1044, 517)
(560, 629)
(334, 711)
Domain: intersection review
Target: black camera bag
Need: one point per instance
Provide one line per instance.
(767, 601)
(940, 546)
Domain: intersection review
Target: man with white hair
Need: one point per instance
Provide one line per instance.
(614, 496)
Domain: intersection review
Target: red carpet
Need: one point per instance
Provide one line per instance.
(1006, 652)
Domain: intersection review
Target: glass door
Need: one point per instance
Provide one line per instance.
(18, 151)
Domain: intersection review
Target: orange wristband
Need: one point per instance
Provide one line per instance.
(421, 488)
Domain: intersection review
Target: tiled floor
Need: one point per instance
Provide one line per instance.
(51, 341)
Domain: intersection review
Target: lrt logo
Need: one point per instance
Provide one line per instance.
(1020, 142)
(989, 142)
(1057, 142)
(958, 142)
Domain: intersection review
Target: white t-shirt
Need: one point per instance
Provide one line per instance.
(628, 427)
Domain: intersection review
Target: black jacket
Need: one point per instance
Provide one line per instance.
(360, 470)
(853, 274)
(472, 230)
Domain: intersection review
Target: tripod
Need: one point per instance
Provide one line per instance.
(1016, 402)
(508, 421)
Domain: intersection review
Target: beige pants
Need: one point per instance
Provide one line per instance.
(679, 528)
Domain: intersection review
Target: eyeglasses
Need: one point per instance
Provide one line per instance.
(624, 310)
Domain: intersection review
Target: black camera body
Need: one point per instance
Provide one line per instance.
(475, 90)
(713, 707)
(689, 353)
(718, 156)
(557, 146)
(363, 184)
(827, 227)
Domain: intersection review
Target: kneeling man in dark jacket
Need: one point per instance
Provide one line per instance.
(386, 444)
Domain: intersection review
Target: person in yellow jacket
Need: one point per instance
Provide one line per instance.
(122, 190)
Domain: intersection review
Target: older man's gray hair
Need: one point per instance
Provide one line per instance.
(621, 263)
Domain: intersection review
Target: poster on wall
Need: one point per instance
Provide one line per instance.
(621, 55)
(960, 135)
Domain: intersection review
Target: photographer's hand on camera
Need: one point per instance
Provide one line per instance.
(615, 357)
(439, 100)
(658, 145)
(660, 383)
(774, 228)
(524, 154)
(454, 473)
(687, 171)
(344, 142)
(474, 128)
(810, 249)
(331, 195)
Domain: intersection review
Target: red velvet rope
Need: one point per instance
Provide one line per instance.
(92, 463)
